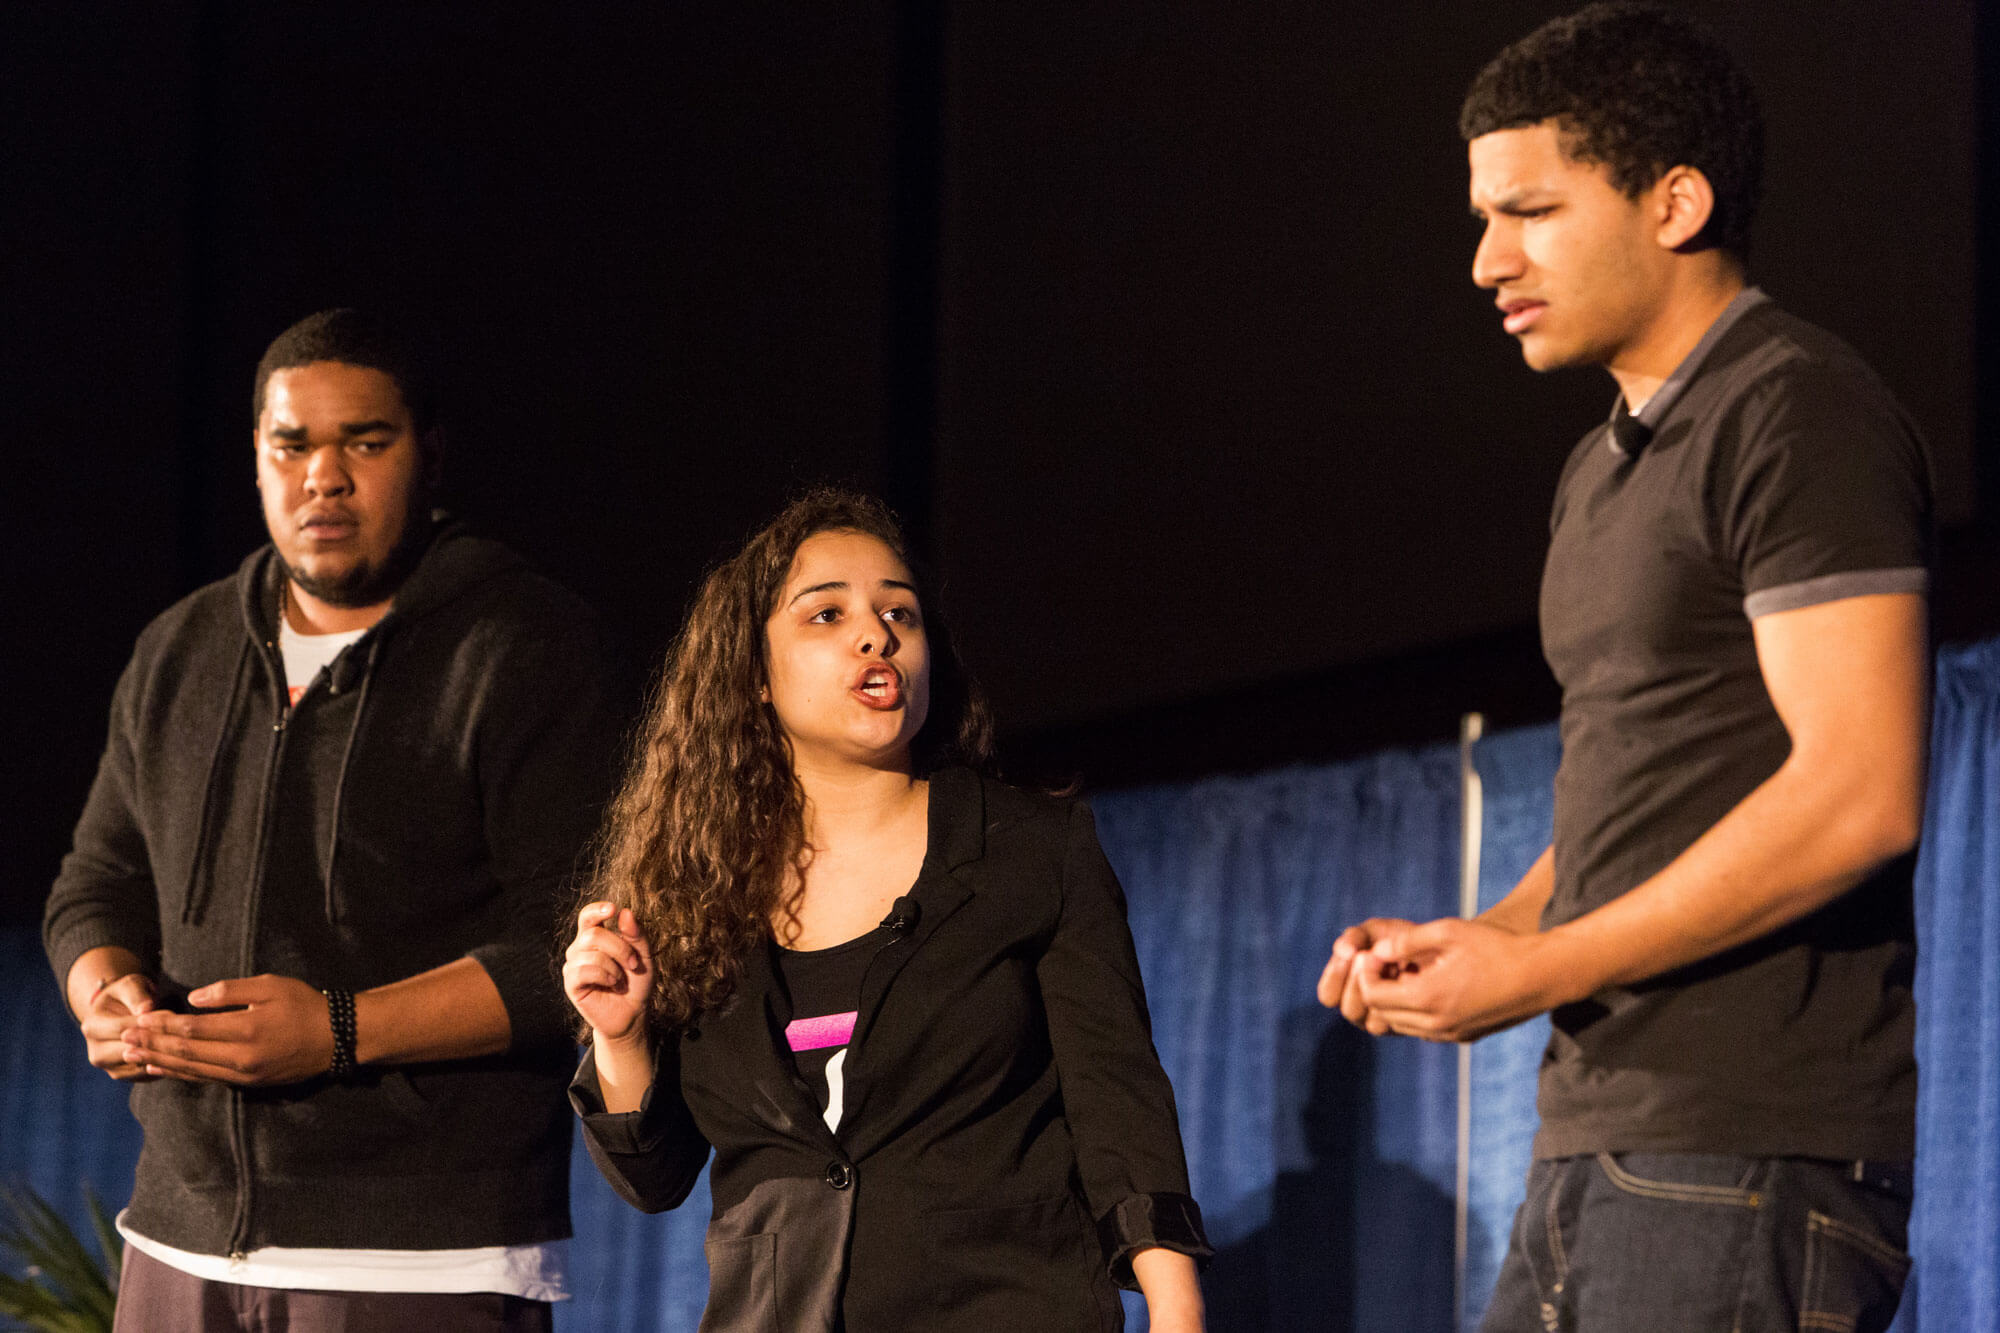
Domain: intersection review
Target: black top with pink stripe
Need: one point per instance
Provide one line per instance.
(825, 989)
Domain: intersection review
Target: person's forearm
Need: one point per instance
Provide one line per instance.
(624, 1070)
(1793, 845)
(1173, 1293)
(95, 969)
(453, 1012)
(1520, 912)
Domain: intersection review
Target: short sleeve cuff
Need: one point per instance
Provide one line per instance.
(1142, 1221)
(1835, 587)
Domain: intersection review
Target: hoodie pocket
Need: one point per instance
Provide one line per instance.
(376, 1125)
(186, 1129)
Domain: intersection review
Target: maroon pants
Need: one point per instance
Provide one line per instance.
(157, 1298)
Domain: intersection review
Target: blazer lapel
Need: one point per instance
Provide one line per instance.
(957, 837)
(751, 1027)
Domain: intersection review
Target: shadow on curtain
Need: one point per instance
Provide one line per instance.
(1324, 1160)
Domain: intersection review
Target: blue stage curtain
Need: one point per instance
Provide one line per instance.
(1956, 1231)
(630, 1272)
(64, 1127)
(1324, 1160)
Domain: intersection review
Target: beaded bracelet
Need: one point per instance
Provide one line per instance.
(340, 1016)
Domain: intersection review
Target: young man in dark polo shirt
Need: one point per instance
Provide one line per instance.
(1734, 604)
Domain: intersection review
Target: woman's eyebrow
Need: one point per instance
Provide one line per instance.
(835, 586)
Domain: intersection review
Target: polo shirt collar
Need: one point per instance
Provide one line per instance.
(1631, 432)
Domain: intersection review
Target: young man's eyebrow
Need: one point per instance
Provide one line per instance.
(346, 428)
(1521, 201)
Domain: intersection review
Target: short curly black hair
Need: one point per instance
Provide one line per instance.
(357, 338)
(1639, 90)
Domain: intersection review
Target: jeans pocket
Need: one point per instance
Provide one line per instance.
(1665, 1241)
(1853, 1279)
(1701, 1179)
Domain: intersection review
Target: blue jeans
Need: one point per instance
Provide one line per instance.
(1689, 1243)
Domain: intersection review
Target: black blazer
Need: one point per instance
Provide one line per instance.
(1008, 1138)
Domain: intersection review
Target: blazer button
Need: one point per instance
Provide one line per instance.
(839, 1175)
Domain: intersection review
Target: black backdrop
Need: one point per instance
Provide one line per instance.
(1154, 321)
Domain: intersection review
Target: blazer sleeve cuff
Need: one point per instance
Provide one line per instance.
(1141, 1221)
(624, 1133)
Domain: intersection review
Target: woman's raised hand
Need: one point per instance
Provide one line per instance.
(608, 972)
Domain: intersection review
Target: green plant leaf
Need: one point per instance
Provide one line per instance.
(63, 1288)
(109, 1243)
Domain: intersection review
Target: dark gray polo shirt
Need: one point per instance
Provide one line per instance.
(1772, 471)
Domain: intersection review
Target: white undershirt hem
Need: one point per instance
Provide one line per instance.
(532, 1272)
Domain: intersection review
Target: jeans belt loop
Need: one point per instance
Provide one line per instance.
(1895, 1176)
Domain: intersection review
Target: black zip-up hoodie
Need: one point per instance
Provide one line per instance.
(428, 799)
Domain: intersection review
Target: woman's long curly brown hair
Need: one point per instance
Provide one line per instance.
(706, 837)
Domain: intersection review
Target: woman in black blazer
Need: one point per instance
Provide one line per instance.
(897, 998)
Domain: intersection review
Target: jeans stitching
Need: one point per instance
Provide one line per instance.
(1660, 1189)
(1809, 1282)
(1820, 1231)
(1552, 1220)
(1853, 1235)
(1757, 1173)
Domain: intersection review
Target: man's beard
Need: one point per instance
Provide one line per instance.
(366, 584)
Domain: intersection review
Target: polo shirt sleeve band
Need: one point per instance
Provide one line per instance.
(1834, 587)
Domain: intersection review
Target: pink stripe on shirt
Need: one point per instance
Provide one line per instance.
(812, 1034)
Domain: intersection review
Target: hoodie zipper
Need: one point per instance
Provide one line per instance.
(239, 1129)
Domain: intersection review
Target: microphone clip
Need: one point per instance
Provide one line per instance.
(903, 916)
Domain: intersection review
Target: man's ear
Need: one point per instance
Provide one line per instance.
(1684, 201)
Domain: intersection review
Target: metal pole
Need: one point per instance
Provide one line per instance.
(1471, 816)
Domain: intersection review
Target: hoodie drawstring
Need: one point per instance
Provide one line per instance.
(340, 780)
(199, 872)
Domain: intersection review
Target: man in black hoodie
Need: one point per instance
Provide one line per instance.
(307, 910)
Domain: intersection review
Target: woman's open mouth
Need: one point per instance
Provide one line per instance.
(880, 686)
